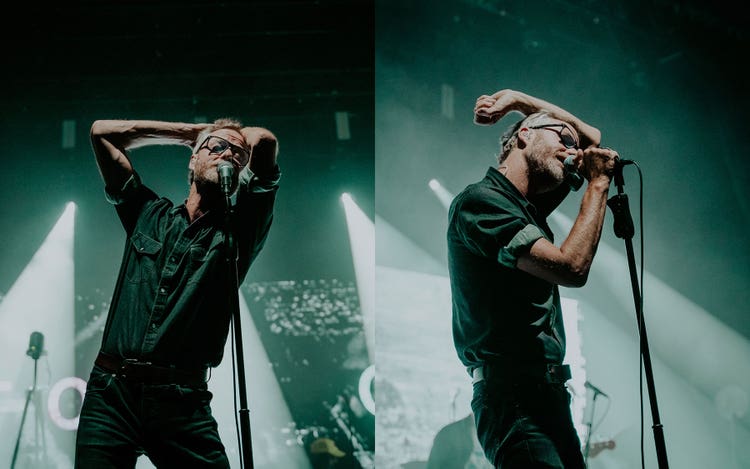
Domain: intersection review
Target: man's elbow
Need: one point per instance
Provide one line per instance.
(267, 144)
(577, 276)
(575, 281)
(97, 129)
(104, 130)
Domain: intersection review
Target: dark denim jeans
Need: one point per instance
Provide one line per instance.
(170, 423)
(526, 426)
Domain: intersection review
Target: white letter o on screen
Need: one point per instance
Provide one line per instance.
(365, 393)
(53, 401)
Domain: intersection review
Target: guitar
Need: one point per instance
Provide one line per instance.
(598, 447)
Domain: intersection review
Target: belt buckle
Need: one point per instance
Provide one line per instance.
(551, 373)
(556, 373)
(129, 364)
(477, 374)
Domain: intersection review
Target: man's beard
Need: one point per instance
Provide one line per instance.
(206, 180)
(544, 174)
(204, 174)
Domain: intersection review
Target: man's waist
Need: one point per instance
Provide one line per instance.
(136, 370)
(549, 373)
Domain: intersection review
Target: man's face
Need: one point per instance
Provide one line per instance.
(550, 143)
(220, 145)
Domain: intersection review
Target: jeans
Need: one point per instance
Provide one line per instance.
(526, 426)
(170, 423)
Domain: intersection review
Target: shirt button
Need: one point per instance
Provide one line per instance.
(162, 290)
(153, 326)
(172, 259)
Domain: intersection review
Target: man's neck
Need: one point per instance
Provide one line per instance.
(516, 170)
(199, 202)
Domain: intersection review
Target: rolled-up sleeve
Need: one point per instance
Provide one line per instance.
(492, 227)
(518, 245)
(254, 214)
(257, 183)
(118, 195)
(130, 200)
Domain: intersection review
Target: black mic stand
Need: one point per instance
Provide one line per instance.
(33, 393)
(246, 455)
(623, 227)
(590, 426)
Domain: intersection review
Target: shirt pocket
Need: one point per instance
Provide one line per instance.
(142, 266)
(204, 259)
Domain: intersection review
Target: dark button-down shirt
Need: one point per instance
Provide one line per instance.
(500, 313)
(171, 304)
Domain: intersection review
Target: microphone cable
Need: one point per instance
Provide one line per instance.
(640, 306)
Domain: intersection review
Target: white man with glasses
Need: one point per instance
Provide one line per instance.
(170, 313)
(505, 269)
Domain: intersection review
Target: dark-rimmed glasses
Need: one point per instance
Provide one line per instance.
(567, 139)
(217, 145)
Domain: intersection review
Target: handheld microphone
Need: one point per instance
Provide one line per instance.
(36, 345)
(226, 172)
(574, 180)
(620, 162)
(595, 389)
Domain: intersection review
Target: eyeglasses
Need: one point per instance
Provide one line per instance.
(217, 146)
(566, 137)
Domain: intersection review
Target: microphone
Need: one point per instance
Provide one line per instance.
(226, 172)
(620, 162)
(595, 389)
(36, 345)
(574, 180)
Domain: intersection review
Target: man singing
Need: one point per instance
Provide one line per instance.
(171, 308)
(505, 270)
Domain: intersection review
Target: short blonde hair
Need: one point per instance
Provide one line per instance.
(220, 123)
(509, 139)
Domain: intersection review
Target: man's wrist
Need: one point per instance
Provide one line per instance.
(600, 183)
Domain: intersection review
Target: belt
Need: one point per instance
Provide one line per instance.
(546, 373)
(131, 369)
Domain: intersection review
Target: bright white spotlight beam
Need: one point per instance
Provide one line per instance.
(442, 193)
(362, 243)
(40, 300)
(702, 342)
(269, 412)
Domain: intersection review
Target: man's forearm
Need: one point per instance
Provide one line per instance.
(582, 241)
(128, 134)
(529, 104)
(111, 139)
(490, 109)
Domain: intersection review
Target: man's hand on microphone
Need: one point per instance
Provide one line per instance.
(598, 163)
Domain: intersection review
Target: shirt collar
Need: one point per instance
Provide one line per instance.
(498, 179)
(210, 216)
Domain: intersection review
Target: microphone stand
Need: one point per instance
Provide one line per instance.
(233, 293)
(590, 425)
(32, 393)
(623, 227)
